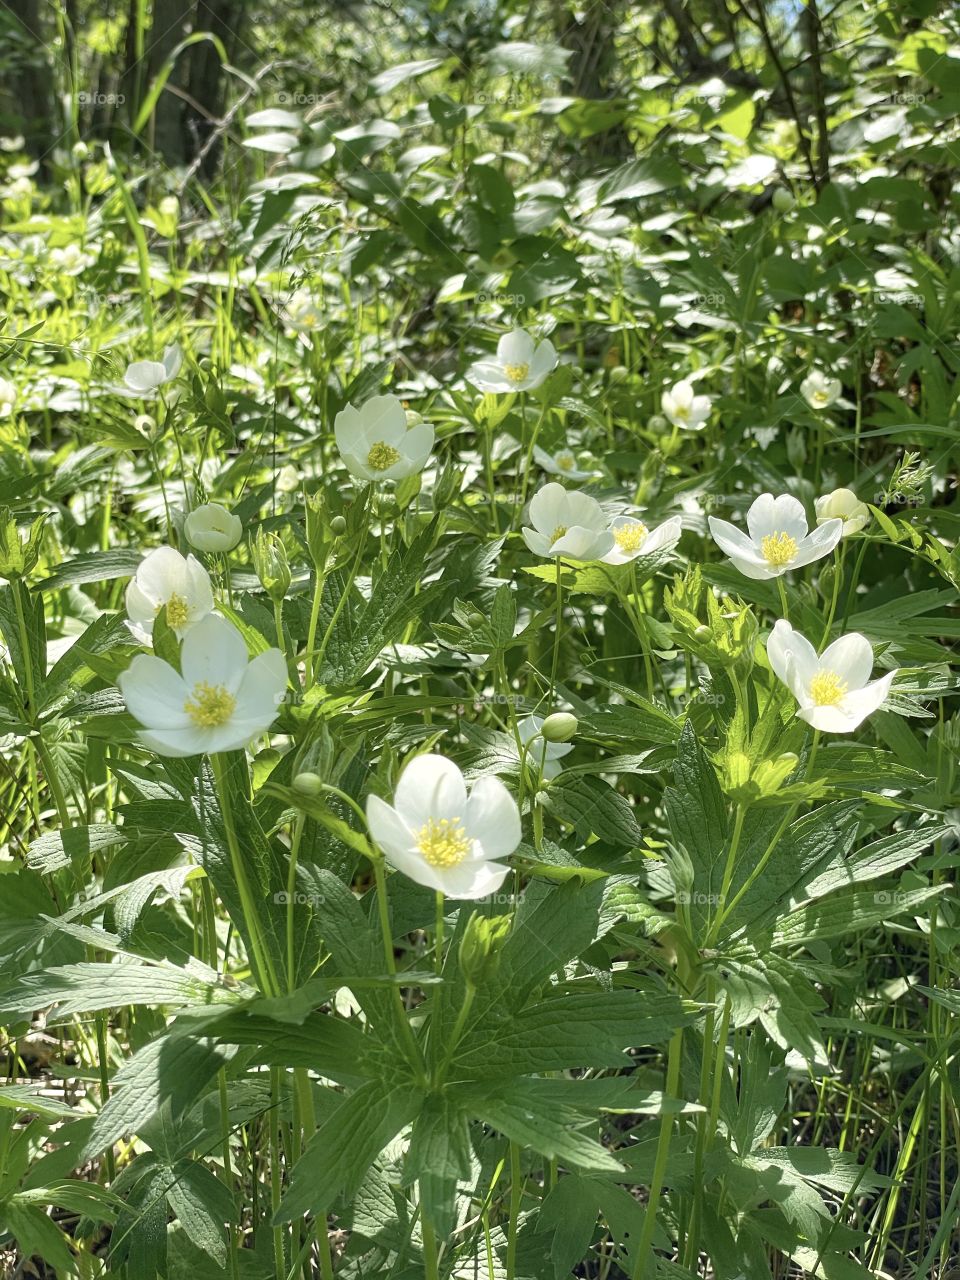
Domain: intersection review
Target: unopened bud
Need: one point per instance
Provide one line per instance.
(308, 784)
(270, 562)
(338, 526)
(560, 727)
(783, 200)
(480, 947)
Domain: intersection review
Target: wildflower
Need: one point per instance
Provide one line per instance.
(543, 753)
(819, 391)
(442, 838)
(147, 376)
(777, 539)
(632, 538)
(375, 443)
(568, 524)
(219, 701)
(684, 408)
(843, 504)
(520, 364)
(561, 463)
(834, 690)
(167, 580)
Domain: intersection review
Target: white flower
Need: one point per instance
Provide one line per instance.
(520, 364)
(778, 538)
(843, 504)
(632, 538)
(819, 391)
(834, 690)
(684, 408)
(8, 396)
(567, 524)
(220, 702)
(442, 838)
(70, 260)
(167, 580)
(561, 463)
(374, 441)
(542, 755)
(147, 376)
(213, 528)
(302, 313)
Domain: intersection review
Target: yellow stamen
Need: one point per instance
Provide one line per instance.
(558, 533)
(516, 372)
(826, 688)
(443, 842)
(778, 549)
(382, 456)
(630, 537)
(564, 461)
(209, 705)
(178, 611)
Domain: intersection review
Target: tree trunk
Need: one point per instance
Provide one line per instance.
(31, 96)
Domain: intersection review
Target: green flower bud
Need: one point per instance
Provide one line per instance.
(308, 784)
(17, 558)
(480, 947)
(560, 727)
(338, 526)
(270, 562)
(783, 200)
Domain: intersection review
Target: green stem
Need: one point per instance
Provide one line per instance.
(431, 1261)
(660, 1160)
(516, 1195)
(783, 598)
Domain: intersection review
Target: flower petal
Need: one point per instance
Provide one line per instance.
(515, 347)
(390, 833)
(214, 653)
(548, 508)
(430, 786)
(850, 658)
(155, 693)
(472, 880)
(819, 543)
(492, 818)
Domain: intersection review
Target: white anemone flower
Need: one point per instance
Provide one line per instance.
(834, 690)
(567, 523)
(69, 260)
(632, 538)
(520, 364)
(561, 463)
(819, 391)
(211, 527)
(302, 313)
(843, 504)
(220, 700)
(148, 376)
(376, 444)
(777, 539)
(544, 756)
(684, 407)
(167, 580)
(442, 838)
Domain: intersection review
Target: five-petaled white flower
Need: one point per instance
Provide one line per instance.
(834, 690)
(211, 527)
(561, 463)
(520, 364)
(442, 838)
(220, 702)
(167, 580)
(147, 376)
(684, 407)
(843, 504)
(632, 538)
(543, 756)
(302, 313)
(375, 443)
(819, 391)
(568, 524)
(777, 538)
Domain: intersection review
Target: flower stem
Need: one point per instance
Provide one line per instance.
(660, 1160)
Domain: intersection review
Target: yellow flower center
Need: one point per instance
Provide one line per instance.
(778, 549)
(821, 397)
(382, 456)
(681, 411)
(564, 461)
(558, 533)
(826, 688)
(209, 705)
(443, 842)
(178, 611)
(516, 372)
(630, 537)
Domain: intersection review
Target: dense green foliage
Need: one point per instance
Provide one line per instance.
(705, 1025)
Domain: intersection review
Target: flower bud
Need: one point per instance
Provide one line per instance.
(784, 201)
(657, 423)
(619, 373)
(338, 526)
(480, 947)
(80, 151)
(561, 726)
(212, 528)
(271, 564)
(308, 784)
